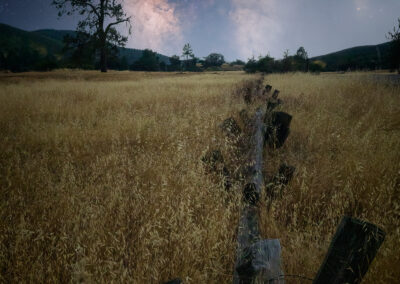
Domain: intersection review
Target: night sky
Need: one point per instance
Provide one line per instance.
(235, 28)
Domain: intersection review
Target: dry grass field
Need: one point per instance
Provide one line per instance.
(345, 144)
(101, 176)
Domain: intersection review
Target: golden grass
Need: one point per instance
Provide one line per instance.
(101, 178)
(345, 144)
(103, 181)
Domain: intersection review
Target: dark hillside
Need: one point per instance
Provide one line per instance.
(14, 39)
(360, 57)
(57, 35)
(22, 50)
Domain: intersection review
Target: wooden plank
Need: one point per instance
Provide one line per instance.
(248, 233)
(275, 94)
(257, 261)
(278, 128)
(261, 263)
(255, 184)
(352, 250)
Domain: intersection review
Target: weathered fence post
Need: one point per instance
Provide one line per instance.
(267, 89)
(277, 131)
(275, 94)
(254, 186)
(352, 250)
(258, 261)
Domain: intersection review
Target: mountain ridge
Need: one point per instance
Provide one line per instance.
(357, 57)
(50, 41)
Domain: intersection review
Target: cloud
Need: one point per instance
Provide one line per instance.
(361, 4)
(256, 26)
(156, 25)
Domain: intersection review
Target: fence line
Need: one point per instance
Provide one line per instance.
(258, 260)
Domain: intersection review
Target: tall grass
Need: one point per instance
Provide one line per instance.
(102, 181)
(345, 144)
(101, 178)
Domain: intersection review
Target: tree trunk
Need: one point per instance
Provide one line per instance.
(103, 39)
(103, 59)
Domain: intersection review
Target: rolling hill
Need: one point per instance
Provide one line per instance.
(25, 50)
(131, 54)
(359, 57)
(26, 46)
(13, 39)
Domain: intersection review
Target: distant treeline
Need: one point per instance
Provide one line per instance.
(357, 58)
(22, 58)
(46, 50)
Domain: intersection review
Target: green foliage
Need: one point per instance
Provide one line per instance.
(301, 62)
(266, 64)
(22, 51)
(214, 60)
(316, 66)
(302, 53)
(286, 62)
(98, 20)
(82, 50)
(251, 65)
(394, 54)
(45, 50)
(187, 51)
(369, 57)
(372, 57)
(148, 62)
(191, 65)
(175, 63)
(47, 63)
(237, 62)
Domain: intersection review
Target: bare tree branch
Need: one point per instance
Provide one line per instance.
(116, 23)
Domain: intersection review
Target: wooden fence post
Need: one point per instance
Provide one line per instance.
(255, 184)
(257, 260)
(352, 250)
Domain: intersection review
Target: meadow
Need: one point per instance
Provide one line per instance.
(101, 176)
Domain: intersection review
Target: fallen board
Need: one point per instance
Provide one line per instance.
(352, 250)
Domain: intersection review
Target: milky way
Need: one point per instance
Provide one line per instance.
(235, 28)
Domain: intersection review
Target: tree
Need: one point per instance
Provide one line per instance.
(81, 50)
(317, 66)
(301, 59)
(97, 14)
(302, 53)
(286, 62)
(237, 62)
(148, 62)
(187, 53)
(394, 36)
(251, 65)
(175, 63)
(214, 60)
(266, 64)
